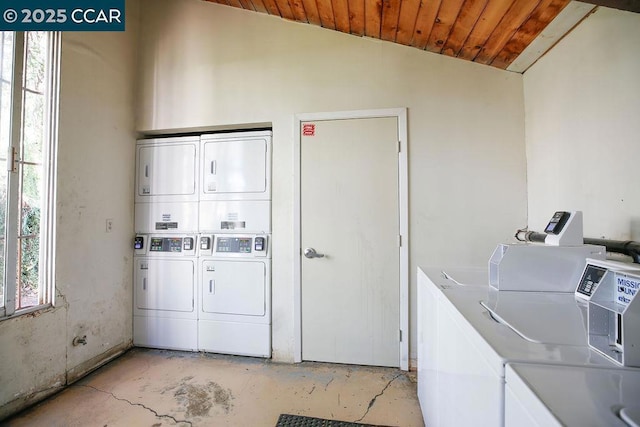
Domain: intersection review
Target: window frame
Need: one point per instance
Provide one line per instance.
(46, 263)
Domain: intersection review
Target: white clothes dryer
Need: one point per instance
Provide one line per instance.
(235, 188)
(167, 185)
(236, 166)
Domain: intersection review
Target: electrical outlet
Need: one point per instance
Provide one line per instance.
(109, 225)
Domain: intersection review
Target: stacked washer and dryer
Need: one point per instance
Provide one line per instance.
(202, 250)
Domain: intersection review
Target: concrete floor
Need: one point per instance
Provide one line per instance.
(169, 388)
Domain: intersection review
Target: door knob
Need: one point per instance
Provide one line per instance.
(311, 253)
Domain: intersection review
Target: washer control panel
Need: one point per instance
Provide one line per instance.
(590, 280)
(594, 272)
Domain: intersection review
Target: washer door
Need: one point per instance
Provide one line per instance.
(234, 287)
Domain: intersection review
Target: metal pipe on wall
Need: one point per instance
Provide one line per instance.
(628, 247)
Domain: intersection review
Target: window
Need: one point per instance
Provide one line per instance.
(29, 66)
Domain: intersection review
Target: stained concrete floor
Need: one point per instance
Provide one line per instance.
(168, 388)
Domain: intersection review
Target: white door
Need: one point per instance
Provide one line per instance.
(350, 214)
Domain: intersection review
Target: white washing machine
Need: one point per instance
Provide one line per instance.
(468, 332)
(235, 294)
(545, 396)
(167, 185)
(165, 298)
(235, 188)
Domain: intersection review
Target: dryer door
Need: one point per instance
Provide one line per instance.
(234, 168)
(234, 287)
(167, 171)
(164, 284)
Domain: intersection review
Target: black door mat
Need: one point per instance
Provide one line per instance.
(287, 420)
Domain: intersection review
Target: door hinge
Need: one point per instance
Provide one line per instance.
(399, 146)
(399, 240)
(400, 335)
(13, 160)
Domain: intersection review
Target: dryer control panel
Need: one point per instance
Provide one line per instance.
(180, 245)
(235, 245)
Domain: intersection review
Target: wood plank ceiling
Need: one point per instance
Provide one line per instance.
(491, 32)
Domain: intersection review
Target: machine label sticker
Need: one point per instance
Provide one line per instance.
(166, 225)
(626, 288)
(232, 225)
(62, 15)
(309, 129)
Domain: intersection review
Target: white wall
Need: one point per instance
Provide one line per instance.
(582, 109)
(203, 64)
(95, 182)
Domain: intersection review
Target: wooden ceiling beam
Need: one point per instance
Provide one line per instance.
(372, 18)
(390, 16)
(341, 15)
(311, 10)
(517, 14)
(299, 13)
(424, 23)
(407, 21)
(538, 21)
(247, 4)
(285, 9)
(356, 17)
(235, 3)
(491, 32)
(467, 19)
(258, 6)
(447, 16)
(325, 10)
(272, 7)
(489, 19)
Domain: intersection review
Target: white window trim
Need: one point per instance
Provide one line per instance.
(49, 161)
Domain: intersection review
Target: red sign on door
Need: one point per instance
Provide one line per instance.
(308, 129)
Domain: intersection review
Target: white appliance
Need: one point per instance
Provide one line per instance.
(235, 187)
(593, 273)
(235, 294)
(468, 333)
(164, 298)
(199, 285)
(539, 268)
(545, 396)
(553, 264)
(614, 317)
(167, 185)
